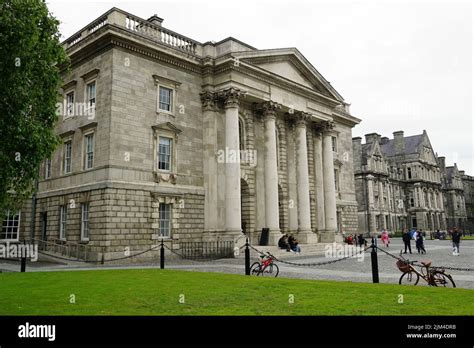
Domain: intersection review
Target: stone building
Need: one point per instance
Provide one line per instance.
(468, 188)
(454, 199)
(167, 137)
(398, 183)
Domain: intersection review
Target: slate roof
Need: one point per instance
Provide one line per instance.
(411, 145)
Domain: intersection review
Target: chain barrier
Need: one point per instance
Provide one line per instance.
(99, 261)
(415, 263)
(309, 264)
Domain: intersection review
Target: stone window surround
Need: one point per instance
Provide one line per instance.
(161, 81)
(88, 78)
(167, 130)
(83, 205)
(87, 129)
(166, 199)
(66, 137)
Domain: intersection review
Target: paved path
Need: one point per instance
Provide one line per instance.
(440, 252)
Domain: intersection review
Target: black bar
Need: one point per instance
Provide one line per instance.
(162, 255)
(23, 260)
(375, 265)
(247, 257)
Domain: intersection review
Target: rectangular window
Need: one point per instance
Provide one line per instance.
(88, 151)
(85, 222)
(70, 104)
(91, 92)
(336, 179)
(409, 173)
(165, 99)
(47, 168)
(334, 144)
(164, 153)
(10, 226)
(67, 157)
(165, 219)
(62, 222)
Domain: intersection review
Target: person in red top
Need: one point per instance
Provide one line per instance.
(385, 238)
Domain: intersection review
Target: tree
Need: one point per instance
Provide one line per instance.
(30, 63)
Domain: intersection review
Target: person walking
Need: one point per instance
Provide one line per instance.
(385, 238)
(406, 241)
(419, 243)
(456, 238)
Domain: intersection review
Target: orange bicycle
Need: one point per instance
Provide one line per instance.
(265, 267)
(433, 276)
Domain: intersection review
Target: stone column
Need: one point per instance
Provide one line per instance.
(370, 199)
(305, 235)
(208, 99)
(319, 186)
(272, 216)
(231, 98)
(329, 186)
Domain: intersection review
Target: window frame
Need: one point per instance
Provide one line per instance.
(171, 101)
(334, 144)
(170, 154)
(67, 112)
(85, 207)
(64, 164)
(86, 94)
(7, 214)
(63, 222)
(336, 179)
(48, 168)
(169, 221)
(85, 152)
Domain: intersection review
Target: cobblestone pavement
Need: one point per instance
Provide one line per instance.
(356, 269)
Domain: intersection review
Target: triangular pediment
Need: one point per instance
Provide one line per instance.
(167, 126)
(291, 65)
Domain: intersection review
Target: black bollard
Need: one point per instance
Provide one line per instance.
(375, 265)
(162, 255)
(247, 257)
(23, 259)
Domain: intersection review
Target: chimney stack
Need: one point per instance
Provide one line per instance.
(155, 20)
(442, 163)
(399, 142)
(383, 141)
(372, 138)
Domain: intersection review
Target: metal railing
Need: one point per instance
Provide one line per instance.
(207, 250)
(67, 249)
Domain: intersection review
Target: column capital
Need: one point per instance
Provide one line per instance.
(270, 108)
(324, 127)
(301, 118)
(231, 96)
(208, 100)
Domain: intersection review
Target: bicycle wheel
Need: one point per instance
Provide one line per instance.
(270, 271)
(442, 279)
(255, 269)
(409, 278)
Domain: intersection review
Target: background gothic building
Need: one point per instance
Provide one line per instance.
(454, 199)
(191, 141)
(407, 181)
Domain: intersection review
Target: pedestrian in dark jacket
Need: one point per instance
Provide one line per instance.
(456, 238)
(419, 243)
(407, 241)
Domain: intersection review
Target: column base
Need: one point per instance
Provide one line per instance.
(307, 237)
(274, 236)
(329, 236)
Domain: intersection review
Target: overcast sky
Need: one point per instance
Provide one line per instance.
(405, 65)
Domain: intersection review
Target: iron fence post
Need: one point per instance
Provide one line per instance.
(375, 266)
(162, 255)
(247, 257)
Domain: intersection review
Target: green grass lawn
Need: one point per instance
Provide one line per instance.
(157, 292)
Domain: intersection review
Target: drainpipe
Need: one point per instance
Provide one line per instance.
(33, 211)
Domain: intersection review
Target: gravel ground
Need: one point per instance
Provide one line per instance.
(354, 269)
